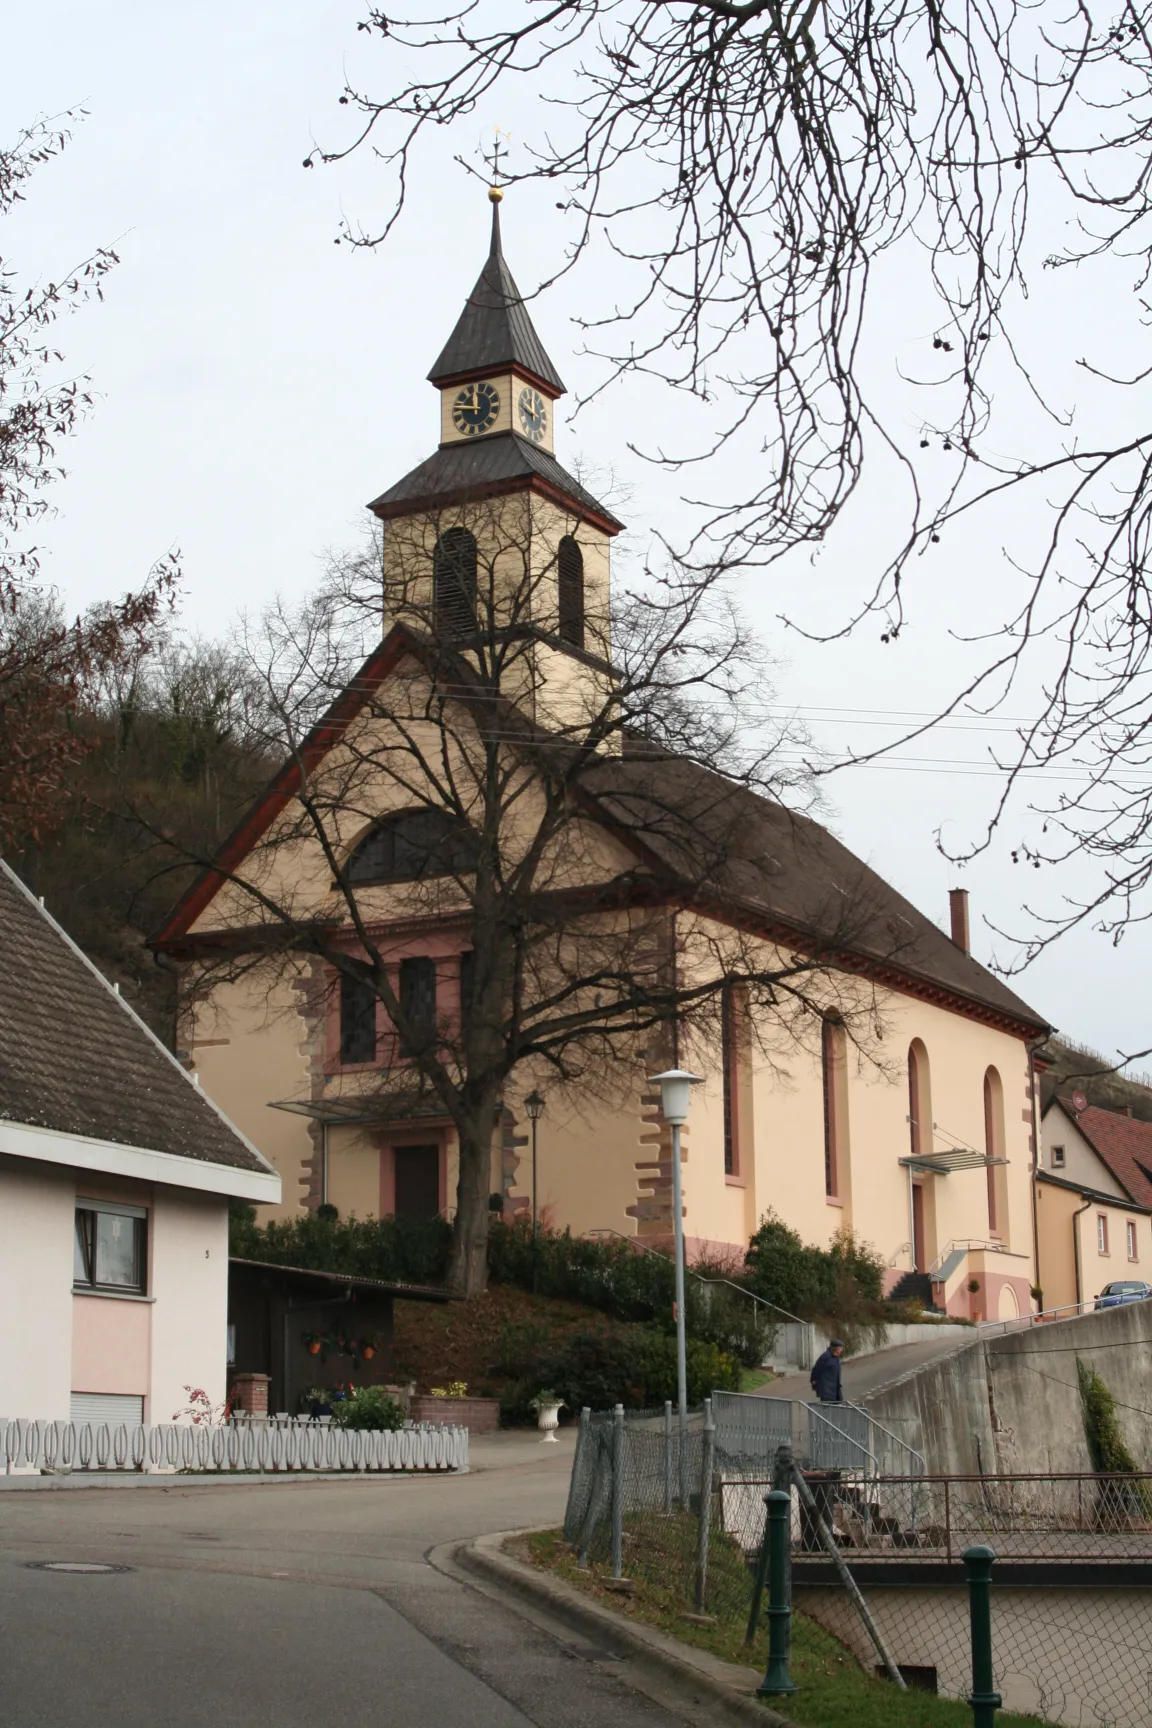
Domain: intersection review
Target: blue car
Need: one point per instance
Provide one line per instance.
(1124, 1290)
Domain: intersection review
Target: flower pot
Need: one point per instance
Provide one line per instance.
(548, 1418)
(314, 1348)
(368, 1352)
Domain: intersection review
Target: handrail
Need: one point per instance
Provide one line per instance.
(888, 1432)
(635, 1242)
(814, 1410)
(965, 1243)
(1021, 1322)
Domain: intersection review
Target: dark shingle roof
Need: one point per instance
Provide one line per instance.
(76, 1059)
(1122, 1143)
(460, 471)
(494, 328)
(746, 850)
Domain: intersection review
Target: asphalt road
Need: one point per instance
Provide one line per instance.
(332, 1604)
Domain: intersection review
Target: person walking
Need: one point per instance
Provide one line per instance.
(826, 1372)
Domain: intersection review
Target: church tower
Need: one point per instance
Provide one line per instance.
(490, 536)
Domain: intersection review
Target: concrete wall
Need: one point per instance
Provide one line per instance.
(1011, 1402)
(1065, 1655)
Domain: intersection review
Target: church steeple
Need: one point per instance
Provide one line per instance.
(494, 332)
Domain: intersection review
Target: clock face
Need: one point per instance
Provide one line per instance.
(476, 408)
(533, 414)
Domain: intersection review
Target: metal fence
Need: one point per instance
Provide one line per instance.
(822, 1436)
(248, 1446)
(682, 1517)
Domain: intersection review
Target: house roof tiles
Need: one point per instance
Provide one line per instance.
(1122, 1143)
(76, 1059)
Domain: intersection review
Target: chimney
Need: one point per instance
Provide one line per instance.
(958, 906)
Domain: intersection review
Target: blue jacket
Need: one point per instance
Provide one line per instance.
(825, 1378)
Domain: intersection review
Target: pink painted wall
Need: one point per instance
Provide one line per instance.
(111, 1345)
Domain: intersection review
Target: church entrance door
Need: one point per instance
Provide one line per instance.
(417, 1181)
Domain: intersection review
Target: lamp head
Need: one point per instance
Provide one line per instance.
(675, 1093)
(534, 1104)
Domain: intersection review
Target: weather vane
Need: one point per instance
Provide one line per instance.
(493, 158)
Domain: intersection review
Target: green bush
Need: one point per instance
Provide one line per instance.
(398, 1250)
(630, 1365)
(368, 1407)
(787, 1272)
(609, 1274)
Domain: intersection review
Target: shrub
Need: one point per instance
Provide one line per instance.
(368, 1407)
(398, 1250)
(630, 1365)
(840, 1280)
(608, 1274)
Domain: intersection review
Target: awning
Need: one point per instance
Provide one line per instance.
(350, 1110)
(945, 1163)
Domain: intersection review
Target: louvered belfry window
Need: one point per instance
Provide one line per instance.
(454, 584)
(570, 575)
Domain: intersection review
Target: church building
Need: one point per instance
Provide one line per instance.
(479, 856)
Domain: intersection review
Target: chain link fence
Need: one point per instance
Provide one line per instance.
(684, 1513)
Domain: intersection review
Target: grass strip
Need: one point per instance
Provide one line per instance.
(835, 1692)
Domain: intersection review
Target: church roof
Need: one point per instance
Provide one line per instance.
(747, 857)
(500, 462)
(494, 329)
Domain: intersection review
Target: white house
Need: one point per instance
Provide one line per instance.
(115, 1176)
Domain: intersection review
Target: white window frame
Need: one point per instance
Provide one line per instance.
(1102, 1247)
(1058, 1158)
(1132, 1239)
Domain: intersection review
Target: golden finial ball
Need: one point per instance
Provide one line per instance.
(495, 194)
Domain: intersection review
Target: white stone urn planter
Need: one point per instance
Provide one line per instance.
(548, 1417)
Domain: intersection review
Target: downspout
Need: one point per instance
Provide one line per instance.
(1079, 1213)
(324, 1162)
(1032, 1081)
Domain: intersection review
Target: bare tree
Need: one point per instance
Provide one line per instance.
(583, 841)
(47, 663)
(763, 170)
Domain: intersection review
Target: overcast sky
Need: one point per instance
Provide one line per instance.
(258, 383)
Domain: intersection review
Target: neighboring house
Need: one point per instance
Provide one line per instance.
(929, 1160)
(1093, 1201)
(115, 1176)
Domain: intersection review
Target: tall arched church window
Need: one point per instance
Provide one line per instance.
(994, 1149)
(570, 574)
(833, 1054)
(412, 846)
(919, 1100)
(454, 584)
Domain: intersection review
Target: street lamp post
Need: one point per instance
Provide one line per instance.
(675, 1098)
(534, 1104)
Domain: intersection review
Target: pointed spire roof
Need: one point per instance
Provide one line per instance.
(494, 329)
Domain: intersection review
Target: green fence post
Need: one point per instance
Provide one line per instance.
(777, 1680)
(984, 1701)
(781, 1478)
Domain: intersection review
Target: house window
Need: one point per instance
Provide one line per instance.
(1057, 1157)
(357, 1020)
(728, 1060)
(570, 578)
(110, 1249)
(418, 996)
(411, 846)
(1130, 1231)
(454, 584)
(1102, 1232)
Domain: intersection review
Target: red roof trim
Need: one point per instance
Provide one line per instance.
(494, 489)
(447, 379)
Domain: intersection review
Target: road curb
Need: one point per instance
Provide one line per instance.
(724, 1685)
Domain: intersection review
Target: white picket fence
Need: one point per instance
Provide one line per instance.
(249, 1446)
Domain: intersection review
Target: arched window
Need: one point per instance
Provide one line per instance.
(570, 575)
(412, 846)
(833, 1052)
(919, 1100)
(454, 584)
(994, 1148)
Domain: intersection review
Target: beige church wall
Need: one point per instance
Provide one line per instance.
(249, 1048)
(586, 1164)
(353, 1173)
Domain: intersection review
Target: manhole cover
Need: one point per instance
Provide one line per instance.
(74, 1566)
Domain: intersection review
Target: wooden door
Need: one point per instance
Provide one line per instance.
(417, 1181)
(918, 1256)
